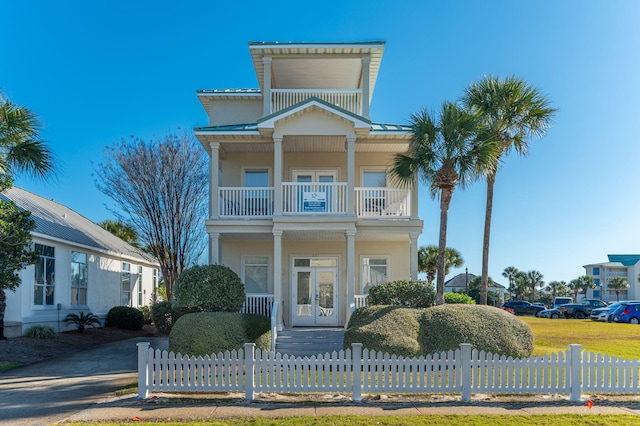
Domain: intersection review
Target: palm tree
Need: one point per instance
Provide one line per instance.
(443, 154)
(428, 260)
(618, 284)
(557, 288)
(512, 112)
(586, 282)
(519, 285)
(509, 273)
(533, 280)
(575, 285)
(121, 230)
(21, 149)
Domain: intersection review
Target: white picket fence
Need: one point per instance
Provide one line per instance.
(356, 371)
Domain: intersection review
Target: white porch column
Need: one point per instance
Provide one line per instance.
(351, 270)
(277, 272)
(214, 249)
(266, 95)
(366, 61)
(413, 262)
(214, 184)
(277, 174)
(351, 173)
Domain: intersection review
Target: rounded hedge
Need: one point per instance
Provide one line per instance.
(125, 317)
(458, 298)
(406, 293)
(209, 288)
(206, 333)
(415, 332)
(391, 329)
(488, 329)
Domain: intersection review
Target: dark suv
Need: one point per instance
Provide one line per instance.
(520, 307)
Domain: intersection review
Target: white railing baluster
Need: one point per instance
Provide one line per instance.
(348, 99)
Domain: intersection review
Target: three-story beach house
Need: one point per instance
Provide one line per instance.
(301, 203)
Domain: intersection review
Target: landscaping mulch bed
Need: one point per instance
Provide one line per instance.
(25, 350)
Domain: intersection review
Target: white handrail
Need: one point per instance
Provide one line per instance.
(348, 99)
(274, 325)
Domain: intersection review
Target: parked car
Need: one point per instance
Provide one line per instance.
(627, 312)
(552, 313)
(559, 301)
(605, 313)
(542, 305)
(580, 310)
(520, 307)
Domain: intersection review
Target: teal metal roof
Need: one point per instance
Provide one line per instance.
(375, 127)
(226, 91)
(304, 43)
(625, 259)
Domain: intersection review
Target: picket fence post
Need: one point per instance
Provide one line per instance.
(249, 370)
(356, 365)
(143, 369)
(465, 371)
(575, 364)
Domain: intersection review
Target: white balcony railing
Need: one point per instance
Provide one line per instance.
(246, 202)
(349, 99)
(377, 202)
(314, 198)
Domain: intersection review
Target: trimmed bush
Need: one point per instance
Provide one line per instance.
(209, 288)
(162, 316)
(405, 293)
(205, 333)
(125, 317)
(390, 329)
(146, 313)
(38, 331)
(458, 298)
(489, 329)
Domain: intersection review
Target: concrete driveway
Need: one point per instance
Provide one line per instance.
(50, 391)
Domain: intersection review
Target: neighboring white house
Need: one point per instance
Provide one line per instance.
(619, 265)
(301, 205)
(82, 268)
(461, 282)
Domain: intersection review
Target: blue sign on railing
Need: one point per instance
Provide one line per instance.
(314, 202)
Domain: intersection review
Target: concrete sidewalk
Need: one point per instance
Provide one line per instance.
(154, 409)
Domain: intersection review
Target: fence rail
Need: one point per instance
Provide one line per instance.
(463, 371)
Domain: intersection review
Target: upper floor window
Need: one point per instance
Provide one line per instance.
(79, 278)
(255, 271)
(374, 271)
(45, 273)
(596, 270)
(374, 179)
(125, 285)
(256, 178)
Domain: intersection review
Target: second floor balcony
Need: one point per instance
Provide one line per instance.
(350, 100)
(314, 199)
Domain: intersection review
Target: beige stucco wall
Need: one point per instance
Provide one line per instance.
(238, 111)
(314, 122)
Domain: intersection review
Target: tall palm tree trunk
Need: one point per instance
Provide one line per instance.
(484, 286)
(445, 201)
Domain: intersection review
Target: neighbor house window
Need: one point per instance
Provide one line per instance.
(374, 271)
(596, 281)
(154, 282)
(45, 273)
(79, 279)
(596, 271)
(139, 281)
(255, 274)
(125, 285)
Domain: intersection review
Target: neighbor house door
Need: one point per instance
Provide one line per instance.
(314, 293)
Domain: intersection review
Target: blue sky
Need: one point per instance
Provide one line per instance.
(97, 71)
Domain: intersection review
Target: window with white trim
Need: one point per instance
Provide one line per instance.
(45, 276)
(374, 271)
(139, 284)
(125, 285)
(79, 278)
(255, 273)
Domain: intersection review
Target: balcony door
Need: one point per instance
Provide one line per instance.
(316, 194)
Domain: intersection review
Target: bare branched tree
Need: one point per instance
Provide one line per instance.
(160, 187)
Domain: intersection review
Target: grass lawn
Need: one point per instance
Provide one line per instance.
(551, 336)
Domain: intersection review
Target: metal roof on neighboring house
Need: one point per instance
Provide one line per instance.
(625, 259)
(460, 280)
(375, 127)
(58, 221)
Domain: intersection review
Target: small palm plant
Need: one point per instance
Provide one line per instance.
(82, 320)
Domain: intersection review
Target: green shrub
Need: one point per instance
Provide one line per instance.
(81, 321)
(125, 317)
(409, 294)
(146, 313)
(161, 315)
(380, 328)
(205, 333)
(209, 288)
(38, 331)
(458, 298)
(489, 329)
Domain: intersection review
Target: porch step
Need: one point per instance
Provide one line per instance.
(309, 341)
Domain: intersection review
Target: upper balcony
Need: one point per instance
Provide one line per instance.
(314, 199)
(347, 99)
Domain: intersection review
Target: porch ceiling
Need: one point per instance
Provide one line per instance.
(318, 235)
(299, 143)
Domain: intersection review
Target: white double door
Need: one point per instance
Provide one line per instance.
(314, 296)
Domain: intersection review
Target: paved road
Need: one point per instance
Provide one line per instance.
(53, 390)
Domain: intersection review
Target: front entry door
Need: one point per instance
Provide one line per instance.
(314, 296)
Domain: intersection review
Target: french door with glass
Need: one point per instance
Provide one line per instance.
(314, 292)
